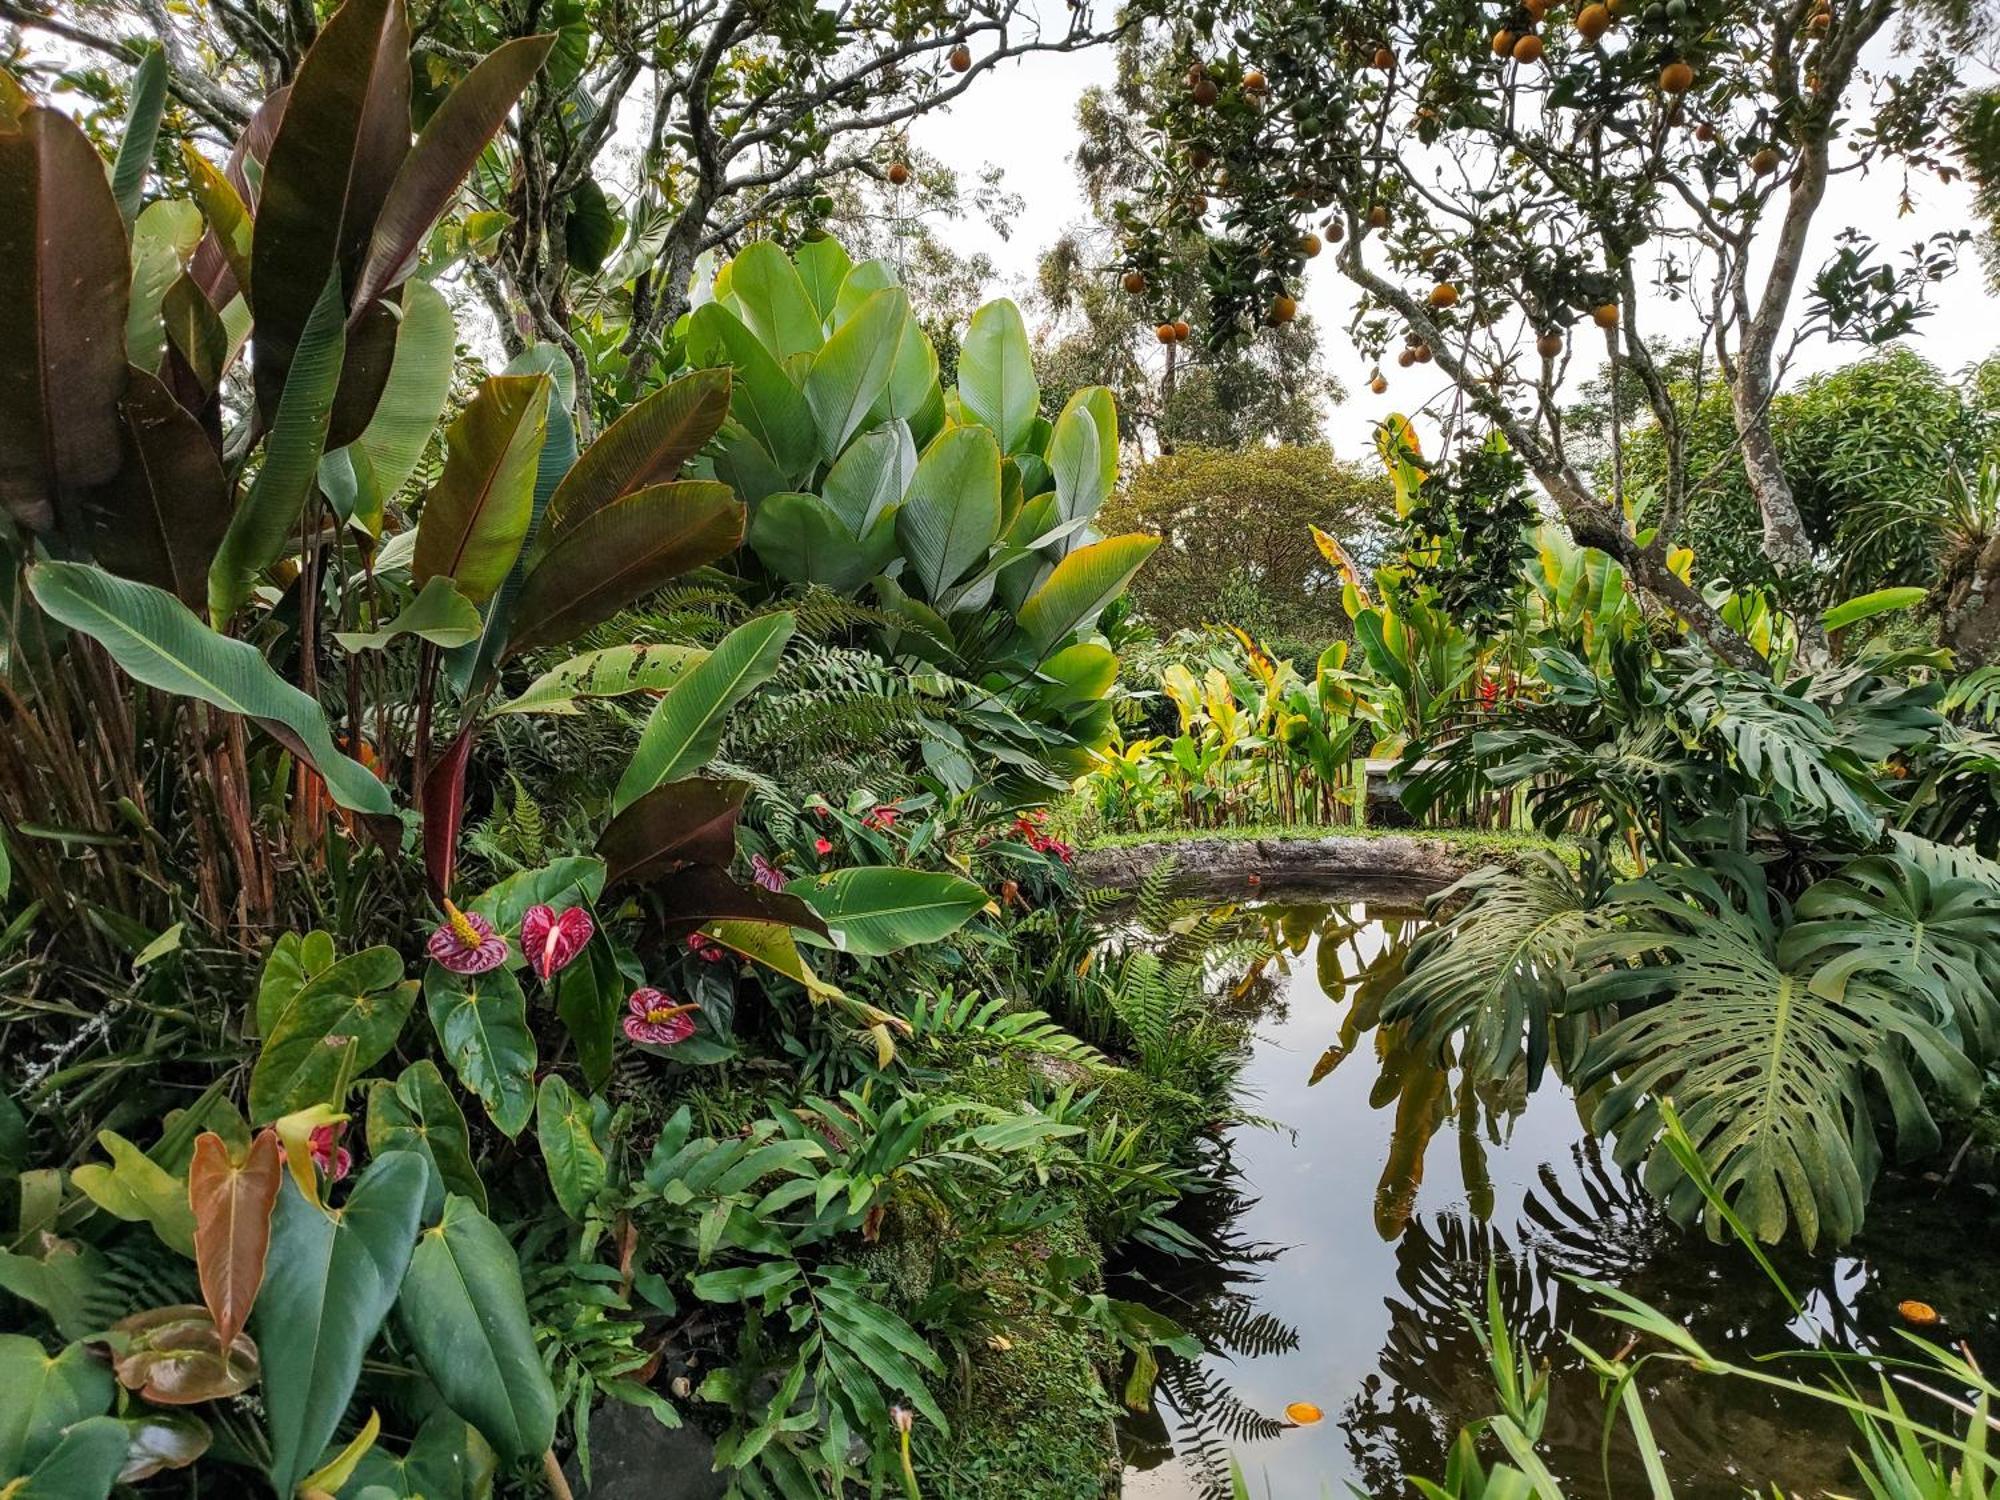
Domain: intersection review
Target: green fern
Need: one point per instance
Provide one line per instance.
(968, 1015)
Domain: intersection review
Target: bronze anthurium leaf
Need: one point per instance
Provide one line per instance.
(171, 1356)
(232, 1224)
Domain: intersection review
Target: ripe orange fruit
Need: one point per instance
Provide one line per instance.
(1820, 21)
(1135, 282)
(1406, 358)
(1503, 43)
(1765, 162)
(1422, 354)
(898, 173)
(1164, 333)
(1181, 331)
(1335, 231)
(1536, 8)
(1378, 217)
(1379, 384)
(1205, 92)
(1444, 294)
(1593, 21)
(1919, 1314)
(1704, 132)
(1303, 1413)
(1549, 345)
(1309, 246)
(1605, 315)
(1253, 82)
(961, 58)
(1676, 78)
(1283, 309)
(1383, 59)
(1528, 49)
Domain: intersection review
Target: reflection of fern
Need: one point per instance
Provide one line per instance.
(1213, 1420)
(1236, 1325)
(968, 1016)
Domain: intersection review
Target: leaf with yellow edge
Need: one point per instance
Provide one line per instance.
(769, 944)
(327, 1480)
(295, 1135)
(1331, 549)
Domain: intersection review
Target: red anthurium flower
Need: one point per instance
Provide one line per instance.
(551, 938)
(882, 817)
(328, 1154)
(766, 874)
(467, 943)
(656, 1020)
(705, 948)
(822, 847)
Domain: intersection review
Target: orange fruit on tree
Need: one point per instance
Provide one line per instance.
(1335, 231)
(1205, 92)
(1309, 246)
(1406, 358)
(1378, 217)
(1549, 345)
(1422, 353)
(1164, 333)
(1593, 21)
(1503, 43)
(1182, 330)
(1918, 1314)
(1283, 309)
(1383, 59)
(1704, 132)
(1528, 49)
(1444, 294)
(1676, 78)
(1379, 384)
(1536, 8)
(1135, 282)
(1764, 162)
(961, 58)
(1254, 82)
(1820, 21)
(1303, 1413)
(898, 173)
(1605, 315)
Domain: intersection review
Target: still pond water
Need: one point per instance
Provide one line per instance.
(1355, 1238)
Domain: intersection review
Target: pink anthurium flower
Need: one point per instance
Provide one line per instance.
(328, 1154)
(467, 943)
(766, 874)
(655, 1020)
(706, 948)
(551, 938)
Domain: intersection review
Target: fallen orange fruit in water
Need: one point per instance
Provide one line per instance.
(1303, 1413)
(1918, 1314)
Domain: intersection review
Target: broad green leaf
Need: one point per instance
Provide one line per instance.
(439, 1465)
(418, 1112)
(590, 999)
(762, 398)
(686, 727)
(83, 1465)
(466, 1317)
(861, 283)
(771, 945)
(438, 613)
(227, 215)
(878, 909)
(572, 880)
(851, 370)
(476, 516)
(570, 1152)
(336, 1028)
(337, 1275)
(951, 515)
(336, 1471)
(387, 453)
(609, 673)
(773, 300)
(799, 538)
(996, 374)
(1081, 585)
(913, 380)
(146, 102)
(871, 477)
(64, 1278)
(1073, 461)
(294, 958)
(136, 1188)
(823, 265)
(267, 521)
(618, 555)
(65, 279)
(1867, 606)
(154, 639)
(482, 1022)
(1102, 408)
(162, 240)
(648, 445)
(1082, 673)
(40, 1396)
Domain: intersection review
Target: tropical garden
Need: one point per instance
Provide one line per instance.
(627, 770)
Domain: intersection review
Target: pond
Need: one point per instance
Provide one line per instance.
(1354, 1237)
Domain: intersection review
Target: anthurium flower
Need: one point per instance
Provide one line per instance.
(655, 1020)
(705, 948)
(882, 817)
(467, 943)
(328, 1154)
(766, 874)
(822, 847)
(551, 938)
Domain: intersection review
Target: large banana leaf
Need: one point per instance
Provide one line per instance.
(154, 639)
(686, 728)
(147, 101)
(386, 454)
(1773, 1079)
(851, 370)
(951, 515)
(608, 673)
(477, 515)
(691, 821)
(65, 282)
(162, 240)
(467, 1321)
(162, 516)
(878, 909)
(996, 374)
(646, 446)
(1081, 585)
(335, 1276)
(620, 554)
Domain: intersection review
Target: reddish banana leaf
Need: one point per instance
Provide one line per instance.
(232, 1224)
(211, 267)
(699, 894)
(645, 446)
(478, 513)
(162, 515)
(443, 801)
(622, 553)
(675, 824)
(364, 371)
(65, 284)
(344, 135)
(445, 152)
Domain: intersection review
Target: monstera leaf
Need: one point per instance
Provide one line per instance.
(1773, 1074)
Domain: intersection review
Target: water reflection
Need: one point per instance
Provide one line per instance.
(1348, 1249)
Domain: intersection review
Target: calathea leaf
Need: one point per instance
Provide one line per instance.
(996, 374)
(851, 370)
(763, 399)
(337, 1276)
(1079, 588)
(799, 538)
(482, 1022)
(466, 1317)
(951, 515)
(773, 301)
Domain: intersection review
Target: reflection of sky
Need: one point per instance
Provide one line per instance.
(1337, 1282)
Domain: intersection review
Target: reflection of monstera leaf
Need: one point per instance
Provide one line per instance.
(170, 1357)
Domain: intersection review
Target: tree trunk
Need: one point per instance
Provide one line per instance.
(1969, 619)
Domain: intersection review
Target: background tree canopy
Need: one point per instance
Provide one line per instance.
(1237, 547)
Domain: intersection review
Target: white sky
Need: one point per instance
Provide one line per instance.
(1021, 117)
